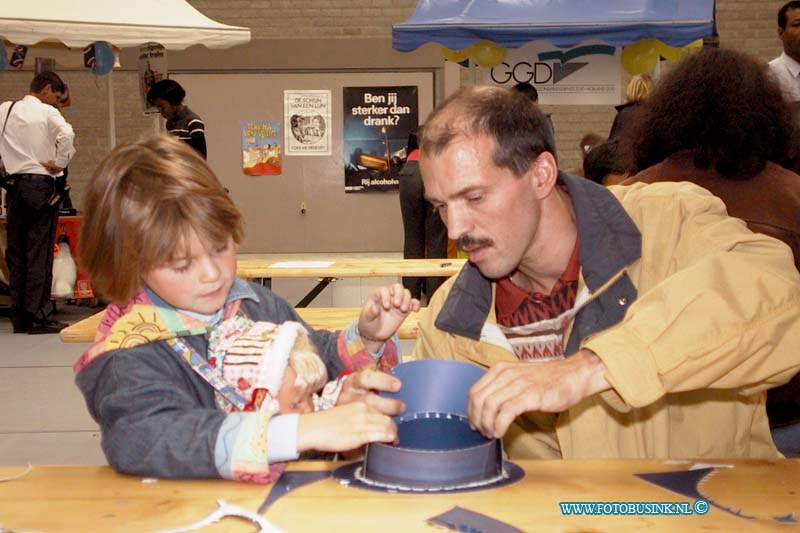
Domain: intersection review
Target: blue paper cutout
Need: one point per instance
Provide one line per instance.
(686, 483)
(289, 481)
(460, 519)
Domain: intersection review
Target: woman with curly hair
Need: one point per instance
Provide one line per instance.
(719, 120)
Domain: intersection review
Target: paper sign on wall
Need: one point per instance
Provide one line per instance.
(261, 147)
(152, 69)
(307, 120)
(377, 123)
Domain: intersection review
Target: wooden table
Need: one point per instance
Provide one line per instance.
(330, 318)
(264, 270)
(93, 498)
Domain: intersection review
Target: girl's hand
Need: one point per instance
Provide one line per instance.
(344, 428)
(361, 387)
(383, 312)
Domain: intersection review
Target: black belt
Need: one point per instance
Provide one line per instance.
(34, 176)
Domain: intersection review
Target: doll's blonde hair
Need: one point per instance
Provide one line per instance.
(308, 366)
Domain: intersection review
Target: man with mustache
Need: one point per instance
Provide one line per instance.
(635, 321)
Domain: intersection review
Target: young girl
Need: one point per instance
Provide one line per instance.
(159, 240)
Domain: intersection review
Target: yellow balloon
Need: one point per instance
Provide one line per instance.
(672, 53)
(694, 46)
(487, 54)
(676, 53)
(640, 57)
(456, 56)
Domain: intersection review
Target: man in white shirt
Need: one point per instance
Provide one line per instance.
(786, 67)
(36, 145)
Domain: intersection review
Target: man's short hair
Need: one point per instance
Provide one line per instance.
(528, 90)
(168, 90)
(794, 4)
(610, 157)
(43, 79)
(141, 205)
(520, 131)
(588, 142)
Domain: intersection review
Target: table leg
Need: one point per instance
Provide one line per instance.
(264, 282)
(313, 293)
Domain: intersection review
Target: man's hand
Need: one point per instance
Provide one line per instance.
(51, 167)
(344, 428)
(509, 389)
(361, 387)
(383, 312)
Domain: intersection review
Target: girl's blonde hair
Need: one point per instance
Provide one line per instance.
(142, 203)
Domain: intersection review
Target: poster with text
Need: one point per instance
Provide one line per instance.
(261, 147)
(152, 68)
(307, 119)
(377, 122)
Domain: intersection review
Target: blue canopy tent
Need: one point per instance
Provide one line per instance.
(457, 24)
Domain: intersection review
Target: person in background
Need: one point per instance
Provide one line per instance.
(533, 95)
(636, 322)
(65, 100)
(786, 67)
(608, 163)
(37, 144)
(638, 89)
(159, 241)
(585, 145)
(424, 233)
(588, 142)
(182, 122)
(63, 200)
(737, 156)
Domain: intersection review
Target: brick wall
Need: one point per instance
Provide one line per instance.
(310, 19)
(742, 24)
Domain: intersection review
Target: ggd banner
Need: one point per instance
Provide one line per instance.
(588, 74)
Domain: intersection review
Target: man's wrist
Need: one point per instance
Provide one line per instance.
(595, 373)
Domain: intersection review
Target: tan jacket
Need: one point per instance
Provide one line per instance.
(693, 315)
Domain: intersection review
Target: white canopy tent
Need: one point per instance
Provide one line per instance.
(76, 23)
(174, 24)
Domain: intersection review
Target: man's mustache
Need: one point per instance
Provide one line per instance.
(468, 241)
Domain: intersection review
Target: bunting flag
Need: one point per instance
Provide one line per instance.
(18, 56)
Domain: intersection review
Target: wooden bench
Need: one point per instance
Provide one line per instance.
(330, 318)
(264, 270)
